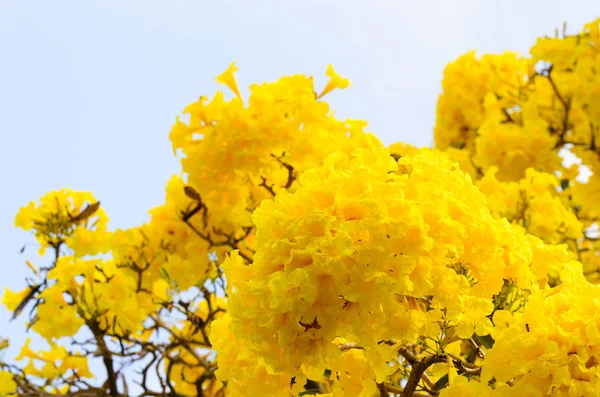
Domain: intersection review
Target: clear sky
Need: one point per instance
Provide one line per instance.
(90, 89)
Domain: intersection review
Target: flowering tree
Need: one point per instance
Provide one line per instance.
(297, 255)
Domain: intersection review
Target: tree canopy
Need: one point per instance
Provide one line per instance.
(297, 255)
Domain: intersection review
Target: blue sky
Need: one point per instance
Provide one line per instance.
(90, 89)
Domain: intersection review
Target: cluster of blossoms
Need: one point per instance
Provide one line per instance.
(297, 255)
(515, 117)
(374, 254)
(125, 287)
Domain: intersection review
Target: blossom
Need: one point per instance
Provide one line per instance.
(335, 81)
(228, 78)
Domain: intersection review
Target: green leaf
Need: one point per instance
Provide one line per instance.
(165, 274)
(310, 392)
(564, 184)
(441, 383)
(486, 341)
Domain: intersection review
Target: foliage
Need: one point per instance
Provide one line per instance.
(297, 255)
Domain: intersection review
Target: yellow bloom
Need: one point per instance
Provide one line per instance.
(462, 387)
(338, 253)
(12, 299)
(8, 386)
(335, 81)
(77, 364)
(24, 218)
(26, 352)
(228, 78)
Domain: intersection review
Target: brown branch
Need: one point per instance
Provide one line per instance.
(230, 240)
(419, 366)
(269, 188)
(427, 380)
(480, 353)
(418, 369)
(106, 357)
(464, 367)
(566, 105)
(194, 211)
(204, 363)
(349, 346)
(291, 174)
(383, 392)
(558, 95)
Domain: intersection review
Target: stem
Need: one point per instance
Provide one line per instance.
(419, 366)
(106, 358)
(382, 390)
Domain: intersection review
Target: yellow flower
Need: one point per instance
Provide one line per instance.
(78, 364)
(8, 386)
(13, 299)
(335, 81)
(228, 78)
(26, 352)
(462, 387)
(338, 253)
(25, 216)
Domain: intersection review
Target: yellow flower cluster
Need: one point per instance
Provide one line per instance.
(585, 195)
(460, 156)
(534, 203)
(54, 365)
(514, 112)
(187, 368)
(84, 291)
(237, 155)
(467, 82)
(296, 255)
(185, 256)
(245, 372)
(347, 254)
(549, 349)
(60, 215)
(516, 115)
